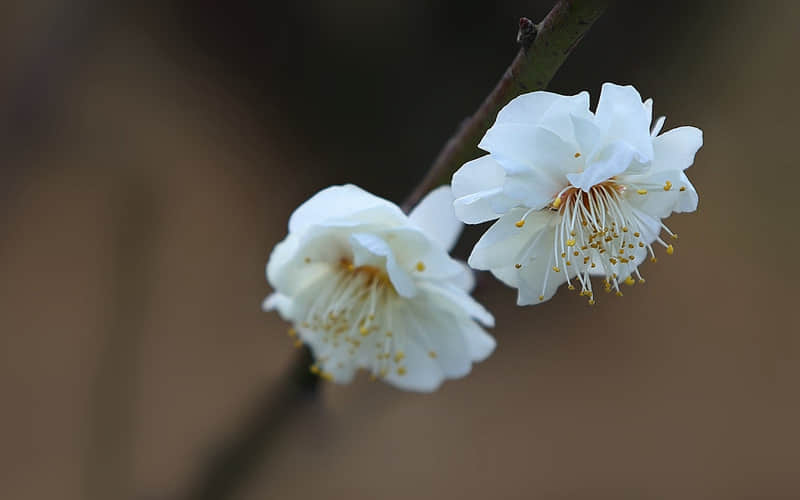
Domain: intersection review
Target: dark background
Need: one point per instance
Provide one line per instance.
(149, 159)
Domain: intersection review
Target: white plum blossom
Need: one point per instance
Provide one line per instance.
(368, 287)
(577, 194)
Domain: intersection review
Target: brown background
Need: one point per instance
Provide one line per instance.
(150, 157)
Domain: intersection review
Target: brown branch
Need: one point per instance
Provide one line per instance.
(532, 69)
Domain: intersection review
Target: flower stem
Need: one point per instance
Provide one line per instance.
(532, 69)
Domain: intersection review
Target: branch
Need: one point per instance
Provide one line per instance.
(229, 469)
(532, 69)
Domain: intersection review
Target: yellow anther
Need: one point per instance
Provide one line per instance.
(569, 263)
(591, 302)
(675, 236)
(517, 265)
(577, 155)
(571, 243)
(670, 250)
(619, 294)
(612, 260)
(363, 331)
(519, 223)
(350, 267)
(571, 287)
(326, 376)
(432, 354)
(629, 281)
(563, 254)
(593, 265)
(420, 266)
(401, 370)
(630, 245)
(683, 188)
(556, 269)
(576, 253)
(398, 357)
(641, 244)
(292, 332)
(653, 260)
(557, 202)
(572, 233)
(541, 297)
(622, 251)
(314, 369)
(389, 334)
(641, 280)
(667, 186)
(298, 343)
(624, 229)
(307, 260)
(637, 234)
(641, 191)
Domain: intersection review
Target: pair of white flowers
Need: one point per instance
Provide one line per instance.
(576, 194)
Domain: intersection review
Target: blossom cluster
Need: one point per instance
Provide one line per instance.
(574, 194)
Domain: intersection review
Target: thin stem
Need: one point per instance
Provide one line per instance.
(532, 69)
(228, 470)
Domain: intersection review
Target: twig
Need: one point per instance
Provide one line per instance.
(532, 69)
(233, 464)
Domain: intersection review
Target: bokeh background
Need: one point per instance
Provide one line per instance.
(150, 154)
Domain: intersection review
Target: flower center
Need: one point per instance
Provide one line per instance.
(351, 313)
(600, 233)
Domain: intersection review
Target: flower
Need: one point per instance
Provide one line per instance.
(577, 194)
(367, 286)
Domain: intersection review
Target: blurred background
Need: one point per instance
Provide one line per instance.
(152, 153)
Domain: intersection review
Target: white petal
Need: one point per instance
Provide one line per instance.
(441, 334)
(410, 247)
(520, 148)
(612, 160)
(504, 243)
(675, 149)
(549, 110)
(464, 280)
(478, 190)
(623, 116)
(588, 135)
(280, 303)
(422, 373)
(657, 127)
(370, 250)
(437, 219)
(536, 279)
(479, 343)
(338, 202)
(658, 202)
(457, 301)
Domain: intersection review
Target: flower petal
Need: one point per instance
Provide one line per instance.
(370, 250)
(675, 149)
(456, 300)
(437, 219)
(520, 148)
(504, 243)
(478, 191)
(551, 111)
(623, 117)
(611, 160)
(338, 202)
